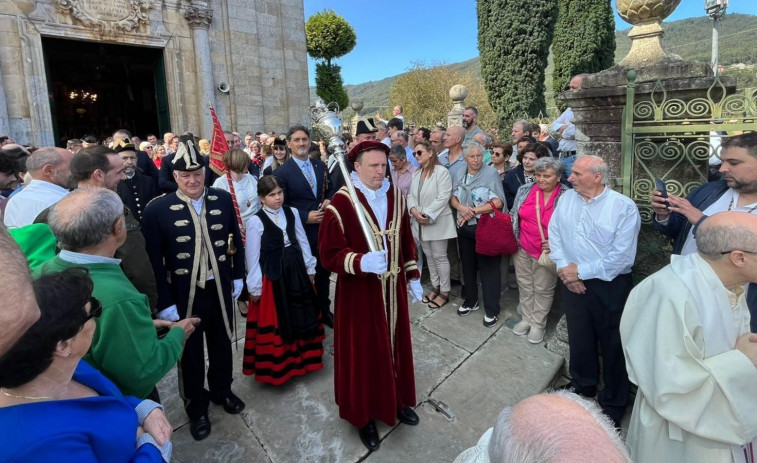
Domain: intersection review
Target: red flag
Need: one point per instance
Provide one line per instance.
(217, 145)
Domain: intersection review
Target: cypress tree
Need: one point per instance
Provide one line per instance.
(329, 36)
(584, 40)
(513, 41)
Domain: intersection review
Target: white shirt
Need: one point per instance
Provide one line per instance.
(246, 192)
(568, 140)
(599, 235)
(726, 202)
(252, 246)
(377, 200)
(24, 207)
(83, 259)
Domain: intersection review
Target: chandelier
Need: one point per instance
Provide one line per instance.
(82, 96)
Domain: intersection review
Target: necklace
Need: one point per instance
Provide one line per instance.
(6, 393)
(751, 209)
(275, 215)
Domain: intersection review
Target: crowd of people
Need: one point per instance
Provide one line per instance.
(136, 251)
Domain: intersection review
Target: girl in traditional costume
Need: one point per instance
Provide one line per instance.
(284, 333)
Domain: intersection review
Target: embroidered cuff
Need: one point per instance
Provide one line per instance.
(165, 449)
(411, 265)
(349, 263)
(144, 408)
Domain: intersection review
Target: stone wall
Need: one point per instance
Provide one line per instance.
(257, 47)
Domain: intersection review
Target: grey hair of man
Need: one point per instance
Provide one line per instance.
(714, 241)
(403, 135)
(399, 152)
(41, 158)
(442, 131)
(525, 126)
(380, 125)
(487, 140)
(598, 166)
(471, 146)
(297, 128)
(508, 446)
(85, 217)
(548, 162)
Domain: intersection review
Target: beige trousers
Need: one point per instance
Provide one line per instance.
(536, 287)
(438, 265)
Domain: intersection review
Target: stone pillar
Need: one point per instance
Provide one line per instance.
(458, 93)
(199, 19)
(357, 106)
(5, 125)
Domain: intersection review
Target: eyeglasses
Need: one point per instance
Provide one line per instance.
(732, 250)
(95, 309)
(419, 153)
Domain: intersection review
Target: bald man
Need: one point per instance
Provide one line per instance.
(685, 334)
(453, 158)
(553, 427)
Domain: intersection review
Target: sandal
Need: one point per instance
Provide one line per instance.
(242, 306)
(436, 305)
(431, 296)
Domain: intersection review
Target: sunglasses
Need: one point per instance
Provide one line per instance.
(95, 309)
(419, 153)
(734, 250)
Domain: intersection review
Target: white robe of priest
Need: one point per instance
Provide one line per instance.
(697, 395)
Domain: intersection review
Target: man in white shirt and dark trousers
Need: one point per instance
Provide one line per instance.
(592, 238)
(564, 126)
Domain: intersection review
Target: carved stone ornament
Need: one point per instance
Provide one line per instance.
(198, 16)
(110, 17)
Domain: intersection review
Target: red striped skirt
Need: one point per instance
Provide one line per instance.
(266, 355)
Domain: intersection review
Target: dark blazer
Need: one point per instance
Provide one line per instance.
(166, 182)
(678, 228)
(168, 229)
(297, 193)
(136, 192)
(148, 166)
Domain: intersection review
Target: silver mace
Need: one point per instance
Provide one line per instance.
(326, 122)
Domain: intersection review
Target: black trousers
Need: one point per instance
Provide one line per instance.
(192, 364)
(486, 266)
(594, 318)
(322, 284)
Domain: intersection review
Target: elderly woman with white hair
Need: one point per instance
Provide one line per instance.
(532, 209)
(477, 190)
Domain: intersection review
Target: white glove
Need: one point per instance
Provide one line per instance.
(374, 262)
(169, 314)
(416, 290)
(237, 291)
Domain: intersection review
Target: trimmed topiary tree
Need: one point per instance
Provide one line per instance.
(513, 40)
(329, 36)
(584, 41)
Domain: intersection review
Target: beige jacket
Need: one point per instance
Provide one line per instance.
(433, 200)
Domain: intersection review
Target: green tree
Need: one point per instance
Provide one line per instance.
(329, 36)
(513, 41)
(584, 40)
(328, 84)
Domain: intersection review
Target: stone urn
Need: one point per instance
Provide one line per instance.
(646, 35)
(356, 105)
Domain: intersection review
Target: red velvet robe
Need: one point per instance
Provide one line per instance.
(370, 381)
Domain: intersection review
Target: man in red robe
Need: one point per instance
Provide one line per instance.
(373, 355)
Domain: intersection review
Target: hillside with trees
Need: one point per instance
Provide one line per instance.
(688, 38)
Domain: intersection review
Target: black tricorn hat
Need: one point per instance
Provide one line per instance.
(122, 145)
(187, 157)
(365, 125)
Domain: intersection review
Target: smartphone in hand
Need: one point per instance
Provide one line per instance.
(663, 189)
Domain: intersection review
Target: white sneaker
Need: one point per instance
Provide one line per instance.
(536, 335)
(463, 310)
(521, 328)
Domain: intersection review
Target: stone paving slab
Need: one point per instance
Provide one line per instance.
(505, 370)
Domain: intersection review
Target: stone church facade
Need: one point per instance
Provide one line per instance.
(255, 47)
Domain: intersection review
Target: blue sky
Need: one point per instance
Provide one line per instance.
(392, 35)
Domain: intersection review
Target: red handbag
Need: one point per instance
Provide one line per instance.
(494, 234)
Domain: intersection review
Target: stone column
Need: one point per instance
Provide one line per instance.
(5, 124)
(199, 18)
(357, 106)
(458, 93)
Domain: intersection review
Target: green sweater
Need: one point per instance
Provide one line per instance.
(125, 346)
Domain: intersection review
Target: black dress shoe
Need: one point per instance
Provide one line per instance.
(231, 403)
(369, 436)
(328, 319)
(408, 416)
(200, 428)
